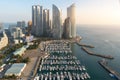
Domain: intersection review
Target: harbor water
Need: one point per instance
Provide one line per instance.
(106, 40)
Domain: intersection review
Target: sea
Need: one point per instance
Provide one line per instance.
(106, 40)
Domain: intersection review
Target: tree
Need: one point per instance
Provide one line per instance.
(26, 60)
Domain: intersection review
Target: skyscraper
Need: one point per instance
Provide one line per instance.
(29, 27)
(33, 20)
(46, 27)
(1, 27)
(56, 22)
(67, 28)
(37, 20)
(21, 24)
(71, 15)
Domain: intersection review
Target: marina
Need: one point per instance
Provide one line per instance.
(61, 64)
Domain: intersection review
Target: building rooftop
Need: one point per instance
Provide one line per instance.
(20, 51)
(16, 69)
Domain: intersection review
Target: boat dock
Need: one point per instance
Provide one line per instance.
(84, 45)
(103, 63)
(56, 67)
(61, 64)
(99, 55)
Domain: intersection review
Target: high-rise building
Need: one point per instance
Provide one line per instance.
(46, 27)
(21, 24)
(71, 15)
(50, 24)
(33, 20)
(50, 27)
(56, 23)
(29, 27)
(67, 28)
(11, 28)
(1, 27)
(37, 20)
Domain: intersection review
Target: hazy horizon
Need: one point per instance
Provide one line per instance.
(6, 25)
(90, 12)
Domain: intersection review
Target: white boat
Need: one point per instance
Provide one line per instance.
(87, 75)
(36, 78)
(82, 77)
(83, 67)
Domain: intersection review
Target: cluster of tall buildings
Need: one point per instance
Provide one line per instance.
(17, 33)
(21, 24)
(42, 26)
(17, 30)
(40, 18)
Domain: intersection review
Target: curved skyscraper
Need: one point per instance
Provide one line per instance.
(71, 15)
(56, 23)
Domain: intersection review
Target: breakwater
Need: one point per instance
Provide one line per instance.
(85, 45)
(103, 63)
(94, 54)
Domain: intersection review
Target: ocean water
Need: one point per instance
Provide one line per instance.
(106, 40)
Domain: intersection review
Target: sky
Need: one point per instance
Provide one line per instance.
(99, 12)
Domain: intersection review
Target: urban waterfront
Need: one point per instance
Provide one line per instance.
(107, 44)
(60, 40)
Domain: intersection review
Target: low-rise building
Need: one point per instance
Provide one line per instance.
(20, 51)
(16, 69)
(3, 39)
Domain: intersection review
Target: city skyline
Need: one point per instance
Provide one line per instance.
(104, 12)
(41, 20)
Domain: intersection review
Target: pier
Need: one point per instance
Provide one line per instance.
(94, 54)
(103, 63)
(84, 45)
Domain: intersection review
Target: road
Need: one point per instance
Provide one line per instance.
(6, 67)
